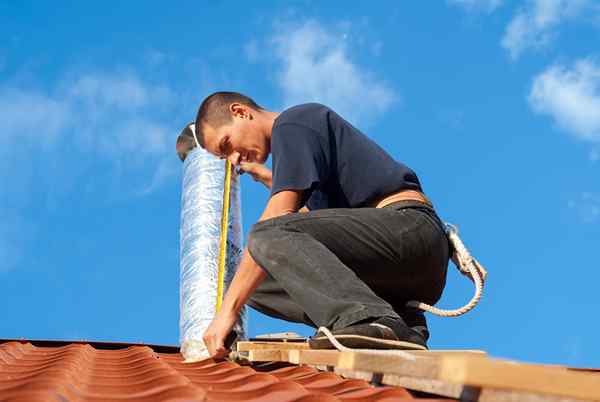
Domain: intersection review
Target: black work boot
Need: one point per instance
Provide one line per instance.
(381, 333)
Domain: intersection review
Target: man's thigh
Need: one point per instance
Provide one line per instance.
(362, 238)
(395, 252)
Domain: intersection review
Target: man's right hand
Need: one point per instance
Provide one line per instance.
(258, 172)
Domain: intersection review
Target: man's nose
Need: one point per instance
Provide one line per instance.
(234, 158)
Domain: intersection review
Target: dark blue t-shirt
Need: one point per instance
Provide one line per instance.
(337, 166)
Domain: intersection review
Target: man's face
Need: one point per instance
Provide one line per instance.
(239, 141)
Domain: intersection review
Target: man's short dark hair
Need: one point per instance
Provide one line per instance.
(214, 110)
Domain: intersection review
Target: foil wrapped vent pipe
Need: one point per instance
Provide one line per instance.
(201, 213)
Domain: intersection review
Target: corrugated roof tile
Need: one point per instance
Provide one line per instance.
(93, 372)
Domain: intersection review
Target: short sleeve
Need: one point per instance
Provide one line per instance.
(299, 161)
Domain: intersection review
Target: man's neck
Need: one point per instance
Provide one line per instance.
(268, 119)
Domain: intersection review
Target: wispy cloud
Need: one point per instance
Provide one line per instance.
(30, 116)
(315, 65)
(587, 206)
(571, 96)
(96, 114)
(534, 25)
(487, 6)
(105, 133)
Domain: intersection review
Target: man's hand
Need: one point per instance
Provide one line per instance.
(245, 281)
(258, 172)
(217, 331)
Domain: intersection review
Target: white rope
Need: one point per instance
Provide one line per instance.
(468, 266)
(343, 348)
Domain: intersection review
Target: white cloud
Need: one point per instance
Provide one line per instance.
(571, 96)
(316, 67)
(167, 168)
(104, 90)
(534, 25)
(586, 206)
(108, 115)
(100, 133)
(31, 116)
(477, 5)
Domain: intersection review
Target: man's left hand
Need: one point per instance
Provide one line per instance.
(217, 331)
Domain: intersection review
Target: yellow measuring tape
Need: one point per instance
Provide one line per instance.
(223, 239)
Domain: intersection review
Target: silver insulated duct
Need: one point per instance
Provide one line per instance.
(201, 210)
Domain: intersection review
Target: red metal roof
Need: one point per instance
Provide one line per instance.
(81, 371)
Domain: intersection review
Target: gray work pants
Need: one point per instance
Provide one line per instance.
(336, 267)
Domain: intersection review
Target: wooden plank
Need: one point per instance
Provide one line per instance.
(507, 395)
(501, 374)
(271, 355)
(279, 336)
(429, 385)
(456, 391)
(448, 372)
(416, 366)
(481, 372)
(245, 346)
(457, 352)
(322, 357)
(359, 375)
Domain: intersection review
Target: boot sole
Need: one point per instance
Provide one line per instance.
(362, 342)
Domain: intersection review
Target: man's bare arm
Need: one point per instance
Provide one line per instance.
(246, 279)
(259, 172)
(262, 174)
(249, 274)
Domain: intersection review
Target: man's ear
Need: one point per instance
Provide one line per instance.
(239, 110)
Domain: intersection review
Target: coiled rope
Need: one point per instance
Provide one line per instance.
(468, 266)
(343, 348)
(465, 263)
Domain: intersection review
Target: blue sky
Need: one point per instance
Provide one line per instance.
(495, 104)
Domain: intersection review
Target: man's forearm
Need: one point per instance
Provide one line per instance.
(249, 274)
(246, 279)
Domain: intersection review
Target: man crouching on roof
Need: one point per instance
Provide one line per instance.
(347, 236)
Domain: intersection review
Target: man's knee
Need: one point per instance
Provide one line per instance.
(270, 246)
(259, 241)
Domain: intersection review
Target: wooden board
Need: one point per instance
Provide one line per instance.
(244, 346)
(482, 372)
(270, 355)
(247, 346)
(324, 357)
(446, 373)
(279, 337)
(504, 374)
(457, 391)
